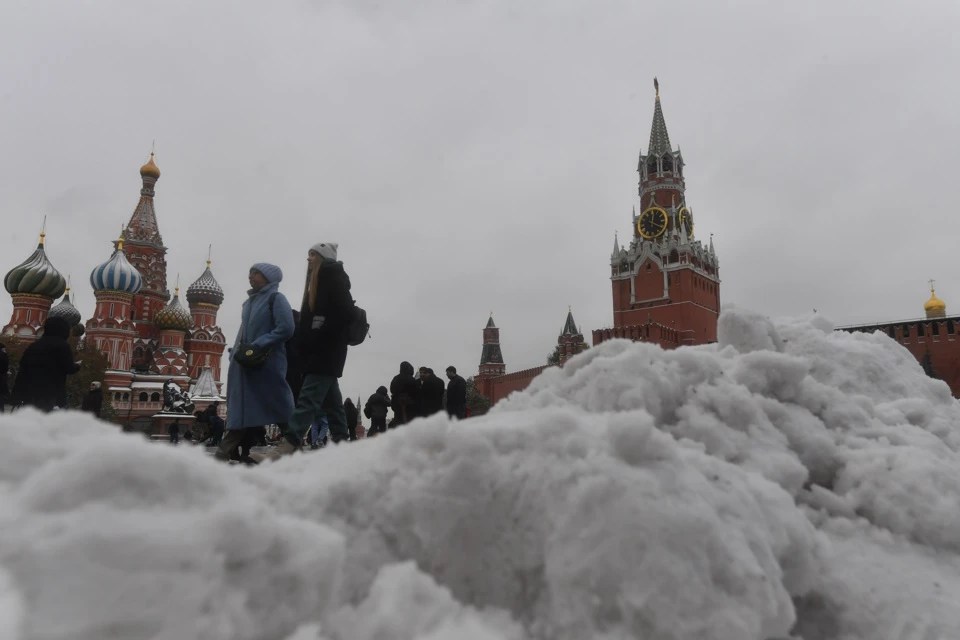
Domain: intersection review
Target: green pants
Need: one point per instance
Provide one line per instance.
(319, 397)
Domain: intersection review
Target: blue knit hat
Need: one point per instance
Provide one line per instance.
(271, 272)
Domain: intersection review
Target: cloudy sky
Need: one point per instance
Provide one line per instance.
(478, 156)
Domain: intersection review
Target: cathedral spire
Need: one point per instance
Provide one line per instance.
(659, 138)
(143, 226)
(570, 327)
(616, 246)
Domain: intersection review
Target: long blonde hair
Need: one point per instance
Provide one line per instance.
(310, 288)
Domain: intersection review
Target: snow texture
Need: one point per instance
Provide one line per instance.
(787, 482)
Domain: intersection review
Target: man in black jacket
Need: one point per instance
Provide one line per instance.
(93, 402)
(44, 367)
(406, 396)
(325, 317)
(431, 392)
(456, 394)
(376, 409)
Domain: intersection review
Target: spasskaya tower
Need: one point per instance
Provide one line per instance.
(665, 282)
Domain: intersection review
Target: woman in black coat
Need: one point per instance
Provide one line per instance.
(44, 367)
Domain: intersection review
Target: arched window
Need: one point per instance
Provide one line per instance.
(674, 256)
(126, 397)
(652, 166)
(118, 396)
(667, 162)
(155, 397)
(143, 396)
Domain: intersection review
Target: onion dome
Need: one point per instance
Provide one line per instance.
(173, 316)
(35, 276)
(935, 307)
(116, 274)
(65, 309)
(206, 290)
(150, 170)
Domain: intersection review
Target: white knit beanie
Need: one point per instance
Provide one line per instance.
(327, 250)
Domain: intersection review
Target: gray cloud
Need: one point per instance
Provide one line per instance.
(479, 156)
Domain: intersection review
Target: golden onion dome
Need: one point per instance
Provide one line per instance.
(150, 170)
(934, 307)
(173, 316)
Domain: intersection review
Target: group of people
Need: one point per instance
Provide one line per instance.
(285, 365)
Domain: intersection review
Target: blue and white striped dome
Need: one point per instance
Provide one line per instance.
(116, 274)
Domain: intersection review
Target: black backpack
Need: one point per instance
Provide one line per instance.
(359, 328)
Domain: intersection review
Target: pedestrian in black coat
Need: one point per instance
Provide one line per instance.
(295, 359)
(376, 409)
(406, 395)
(456, 395)
(431, 392)
(353, 415)
(44, 367)
(325, 317)
(4, 369)
(93, 401)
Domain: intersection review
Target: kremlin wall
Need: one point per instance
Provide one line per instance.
(147, 336)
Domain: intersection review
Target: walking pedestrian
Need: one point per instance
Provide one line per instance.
(456, 394)
(93, 401)
(257, 389)
(325, 316)
(376, 409)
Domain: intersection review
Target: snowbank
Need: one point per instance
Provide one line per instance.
(788, 480)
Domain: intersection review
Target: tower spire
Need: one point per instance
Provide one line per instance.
(659, 138)
(209, 255)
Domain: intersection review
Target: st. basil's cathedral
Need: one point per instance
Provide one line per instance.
(147, 336)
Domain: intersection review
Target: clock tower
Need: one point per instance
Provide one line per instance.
(666, 283)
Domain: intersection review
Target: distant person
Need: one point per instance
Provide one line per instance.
(456, 394)
(406, 396)
(212, 418)
(325, 316)
(257, 389)
(93, 401)
(352, 415)
(4, 371)
(173, 430)
(44, 367)
(431, 392)
(376, 408)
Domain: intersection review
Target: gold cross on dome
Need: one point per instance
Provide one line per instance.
(931, 284)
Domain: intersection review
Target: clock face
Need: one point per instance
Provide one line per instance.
(684, 217)
(652, 223)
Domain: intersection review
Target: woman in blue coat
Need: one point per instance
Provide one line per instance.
(259, 396)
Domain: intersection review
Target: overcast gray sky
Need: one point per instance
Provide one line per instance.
(478, 156)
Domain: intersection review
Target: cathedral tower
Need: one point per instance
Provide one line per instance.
(115, 284)
(33, 284)
(664, 277)
(205, 340)
(146, 252)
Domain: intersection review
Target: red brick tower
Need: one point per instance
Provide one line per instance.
(491, 359)
(33, 285)
(115, 284)
(146, 252)
(570, 342)
(205, 340)
(666, 284)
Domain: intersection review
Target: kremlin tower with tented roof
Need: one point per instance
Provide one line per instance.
(147, 336)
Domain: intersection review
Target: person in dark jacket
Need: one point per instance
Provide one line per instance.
(431, 392)
(406, 395)
(376, 409)
(325, 317)
(216, 423)
(4, 369)
(93, 401)
(352, 414)
(295, 359)
(456, 394)
(44, 367)
(173, 430)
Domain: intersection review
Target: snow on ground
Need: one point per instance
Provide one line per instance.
(788, 482)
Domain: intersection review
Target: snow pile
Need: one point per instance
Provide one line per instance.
(787, 482)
